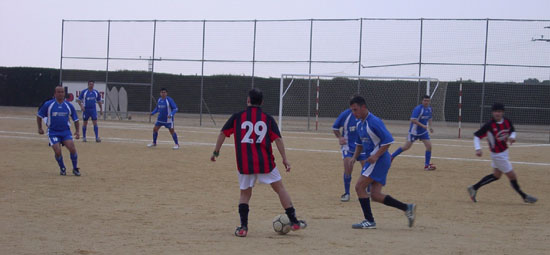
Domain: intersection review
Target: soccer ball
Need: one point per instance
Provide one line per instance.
(281, 224)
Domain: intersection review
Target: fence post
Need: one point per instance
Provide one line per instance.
(254, 53)
(152, 69)
(61, 58)
(360, 48)
(420, 59)
(107, 71)
(484, 74)
(309, 78)
(202, 72)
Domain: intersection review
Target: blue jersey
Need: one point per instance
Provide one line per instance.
(423, 115)
(57, 115)
(165, 107)
(348, 122)
(89, 98)
(372, 134)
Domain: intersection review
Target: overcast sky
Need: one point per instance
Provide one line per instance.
(31, 30)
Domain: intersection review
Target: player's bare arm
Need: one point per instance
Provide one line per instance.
(100, 108)
(77, 127)
(430, 125)
(219, 143)
(373, 158)
(39, 124)
(341, 139)
(281, 148)
(358, 150)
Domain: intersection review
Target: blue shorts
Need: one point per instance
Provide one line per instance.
(59, 136)
(411, 138)
(349, 154)
(164, 124)
(87, 113)
(379, 170)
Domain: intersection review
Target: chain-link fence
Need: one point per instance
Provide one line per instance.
(208, 65)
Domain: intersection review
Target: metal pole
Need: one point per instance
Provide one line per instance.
(309, 78)
(61, 58)
(202, 71)
(254, 53)
(281, 103)
(107, 70)
(359, 64)
(460, 109)
(484, 74)
(420, 58)
(152, 69)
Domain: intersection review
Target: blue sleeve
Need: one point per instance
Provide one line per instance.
(155, 111)
(98, 97)
(382, 132)
(173, 106)
(416, 113)
(74, 116)
(43, 111)
(339, 122)
(81, 96)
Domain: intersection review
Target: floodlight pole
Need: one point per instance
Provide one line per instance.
(202, 72)
(254, 53)
(360, 44)
(107, 71)
(61, 58)
(484, 74)
(152, 69)
(309, 78)
(420, 59)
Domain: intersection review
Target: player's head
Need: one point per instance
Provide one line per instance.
(497, 110)
(59, 93)
(91, 84)
(255, 97)
(163, 93)
(358, 106)
(426, 100)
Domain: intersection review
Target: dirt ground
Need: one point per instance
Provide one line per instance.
(134, 200)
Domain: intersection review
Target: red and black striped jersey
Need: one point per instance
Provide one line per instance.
(254, 131)
(497, 134)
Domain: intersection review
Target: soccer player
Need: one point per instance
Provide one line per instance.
(56, 112)
(348, 123)
(374, 139)
(421, 122)
(499, 132)
(254, 131)
(87, 100)
(166, 108)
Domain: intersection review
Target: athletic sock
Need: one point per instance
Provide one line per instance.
(347, 182)
(485, 180)
(96, 131)
(367, 212)
(84, 131)
(390, 201)
(243, 212)
(60, 162)
(74, 159)
(155, 135)
(397, 152)
(428, 158)
(515, 185)
(175, 137)
(291, 213)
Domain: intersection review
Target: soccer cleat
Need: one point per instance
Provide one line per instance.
(301, 224)
(151, 145)
(98, 140)
(365, 224)
(430, 167)
(76, 171)
(62, 171)
(411, 214)
(345, 197)
(176, 147)
(241, 231)
(530, 199)
(472, 192)
(84, 139)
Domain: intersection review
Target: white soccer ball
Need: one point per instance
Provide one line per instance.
(281, 224)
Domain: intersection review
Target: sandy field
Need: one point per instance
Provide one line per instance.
(134, 200)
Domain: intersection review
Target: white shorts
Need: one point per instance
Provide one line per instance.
(501, 161)
(249, 180)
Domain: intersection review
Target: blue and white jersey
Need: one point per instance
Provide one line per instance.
(56, 115)
(348, 122)
(89, 98)
(372, 134)
(165, 107)
(423, 115)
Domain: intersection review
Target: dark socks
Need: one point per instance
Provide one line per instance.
(60, 162)
(397, 152)
(347, 182)
(485, 180)
(291, 213)
(175, 137)
(390, 201)
(155, 135)
(84, 131)
(515, 185)
(243, 212)
(96, 131)
(427, 158)
(367, 212)
(74, 159)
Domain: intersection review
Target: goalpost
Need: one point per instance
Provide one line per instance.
(312, 101)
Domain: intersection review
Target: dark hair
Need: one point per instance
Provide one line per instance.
(426, 97)
(359, 100)
(497, 107)
(163, 89)
(92, 81)
(256, 96)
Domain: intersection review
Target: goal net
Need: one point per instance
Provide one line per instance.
(312, 102)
